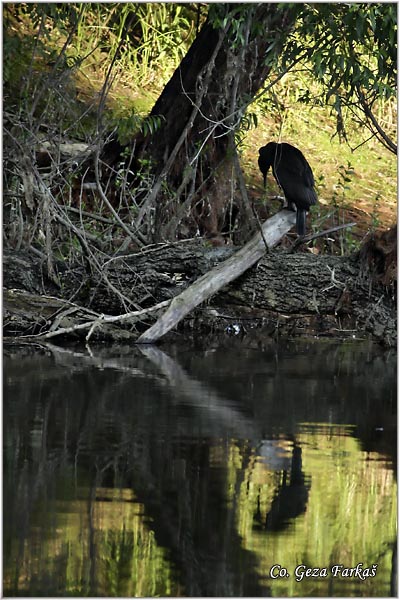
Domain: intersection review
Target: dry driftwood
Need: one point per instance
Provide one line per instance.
(46, 317)
(272, 231)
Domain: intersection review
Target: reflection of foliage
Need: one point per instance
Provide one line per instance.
(339, 526)
(127, 561)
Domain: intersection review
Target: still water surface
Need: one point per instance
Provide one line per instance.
(177, 471)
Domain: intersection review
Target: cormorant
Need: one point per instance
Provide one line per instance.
(293, 174)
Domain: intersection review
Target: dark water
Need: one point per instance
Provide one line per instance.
(183, 472)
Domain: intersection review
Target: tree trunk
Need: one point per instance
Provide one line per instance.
(196, 187)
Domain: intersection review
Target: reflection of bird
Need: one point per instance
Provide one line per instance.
(294, 176)
(291, 498)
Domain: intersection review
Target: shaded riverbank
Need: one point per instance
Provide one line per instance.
(284, 294)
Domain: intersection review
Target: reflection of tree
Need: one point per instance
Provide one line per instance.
(180, 480)
(197, 523)
(190, 515)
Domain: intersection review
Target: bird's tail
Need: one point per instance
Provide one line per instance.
(301, 221)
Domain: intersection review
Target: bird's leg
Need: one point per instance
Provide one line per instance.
(285, 202)
(281, 199)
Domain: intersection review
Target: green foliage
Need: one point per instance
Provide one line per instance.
(348, 44)
(350, 49)
(28, 30)
(141, 44)
(247, 122)
(239, 23)
(128, 123)
(143, 38)
(221, 15)
(66, 66)
(283, 117)
(345, 173)
(72, 71)
(151, 124)
(347, 241)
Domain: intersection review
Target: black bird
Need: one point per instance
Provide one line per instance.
(293, 174)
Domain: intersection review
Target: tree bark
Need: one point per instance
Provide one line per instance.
(195, 184)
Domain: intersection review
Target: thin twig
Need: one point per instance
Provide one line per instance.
(334, 282)
(251, 215)
(150, 249)
(93, 216)
(314, 236)
(96, 324)
(108, 203)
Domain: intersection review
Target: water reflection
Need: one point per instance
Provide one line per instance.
(291, 497)
(182, 472)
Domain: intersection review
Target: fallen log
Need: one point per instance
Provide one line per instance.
(40, 317)
(49, 155)
(287, 294)
(210, 283)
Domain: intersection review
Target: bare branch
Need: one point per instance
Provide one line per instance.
(385, 139)
(97, 321)
(314, 236)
